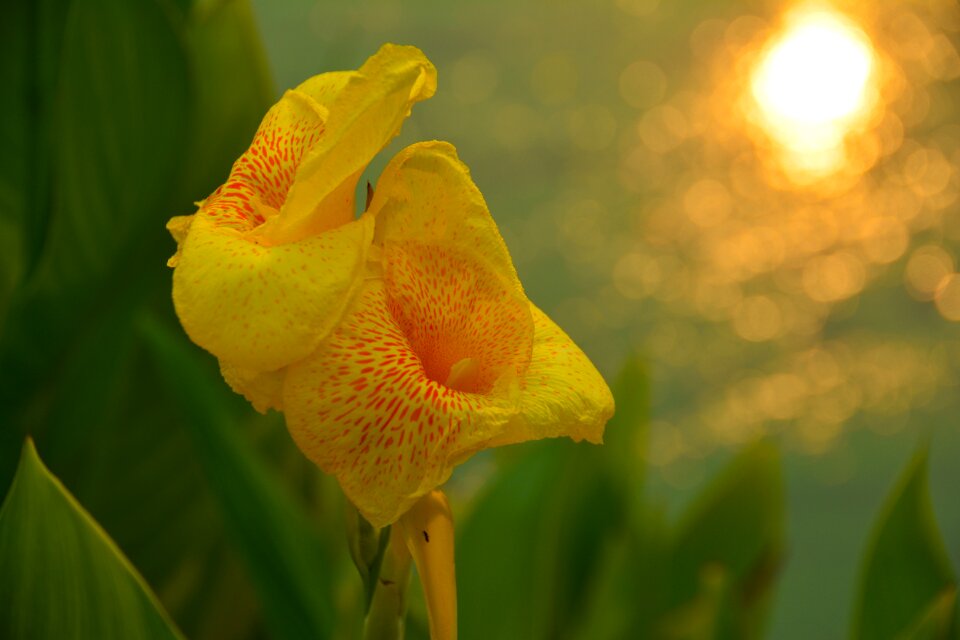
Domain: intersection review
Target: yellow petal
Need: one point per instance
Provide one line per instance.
(426, 195)
(261, 308)
(364, 115)
(364, 408)
(264, 390)
(563, 394)
(179, 227)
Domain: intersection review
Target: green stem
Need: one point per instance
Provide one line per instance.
(388, 610)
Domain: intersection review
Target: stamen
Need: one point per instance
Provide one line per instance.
(463, 375)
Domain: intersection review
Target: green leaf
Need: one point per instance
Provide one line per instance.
(907, 578)
(735, 527)
(122, 114)
(935, 621)
(625, 438)
(31, 35)
(290, 568)
(531, 547)
(113, 108)
(63, 577)
(222, 43)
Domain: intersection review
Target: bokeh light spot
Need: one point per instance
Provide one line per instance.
(927, 268)
(948, 298)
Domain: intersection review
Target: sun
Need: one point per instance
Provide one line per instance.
(813, 84)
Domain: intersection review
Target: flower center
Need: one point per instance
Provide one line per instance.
(464, 326)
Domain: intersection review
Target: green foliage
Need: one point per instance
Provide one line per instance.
(908, 588)
(730, 542)
(531, 548)
(289, 566)
(63, 577)
(554, 548)
(104, 137)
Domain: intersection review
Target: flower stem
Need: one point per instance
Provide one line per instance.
(427, 529)
(388, 609)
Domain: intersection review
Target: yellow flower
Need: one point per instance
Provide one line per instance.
(440, 355)
(269, 263)
(397, 344)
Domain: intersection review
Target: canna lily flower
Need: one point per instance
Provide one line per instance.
(271, 260)
(440, 355)
(397, 344)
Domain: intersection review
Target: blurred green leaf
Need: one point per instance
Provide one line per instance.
(222, 43)
(31, 36)
(290, 568)
(907, 581)
(63, 577)
(736, 528)
(122, 112)
(935, 621)
(625, 438)
(112, 438)
(117, 95)
(530, 549)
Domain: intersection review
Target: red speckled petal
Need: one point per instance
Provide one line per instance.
(452, 308)
(259, 301)
(364, 409)
(260, 179)
(365, 114)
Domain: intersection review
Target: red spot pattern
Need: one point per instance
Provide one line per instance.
(451, 307)
(369, 406)
(262, 176)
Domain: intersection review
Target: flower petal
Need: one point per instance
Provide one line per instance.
(260, 178)
(363, 408)
(365, 114)
(563, 393)
(264, 390)
(426, 195)
(262, 307)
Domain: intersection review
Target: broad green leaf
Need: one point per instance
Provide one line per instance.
(906, 571)
(735, 527)
(290, 568)
(63, 577)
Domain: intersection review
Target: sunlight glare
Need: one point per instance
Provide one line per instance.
(813, 86)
